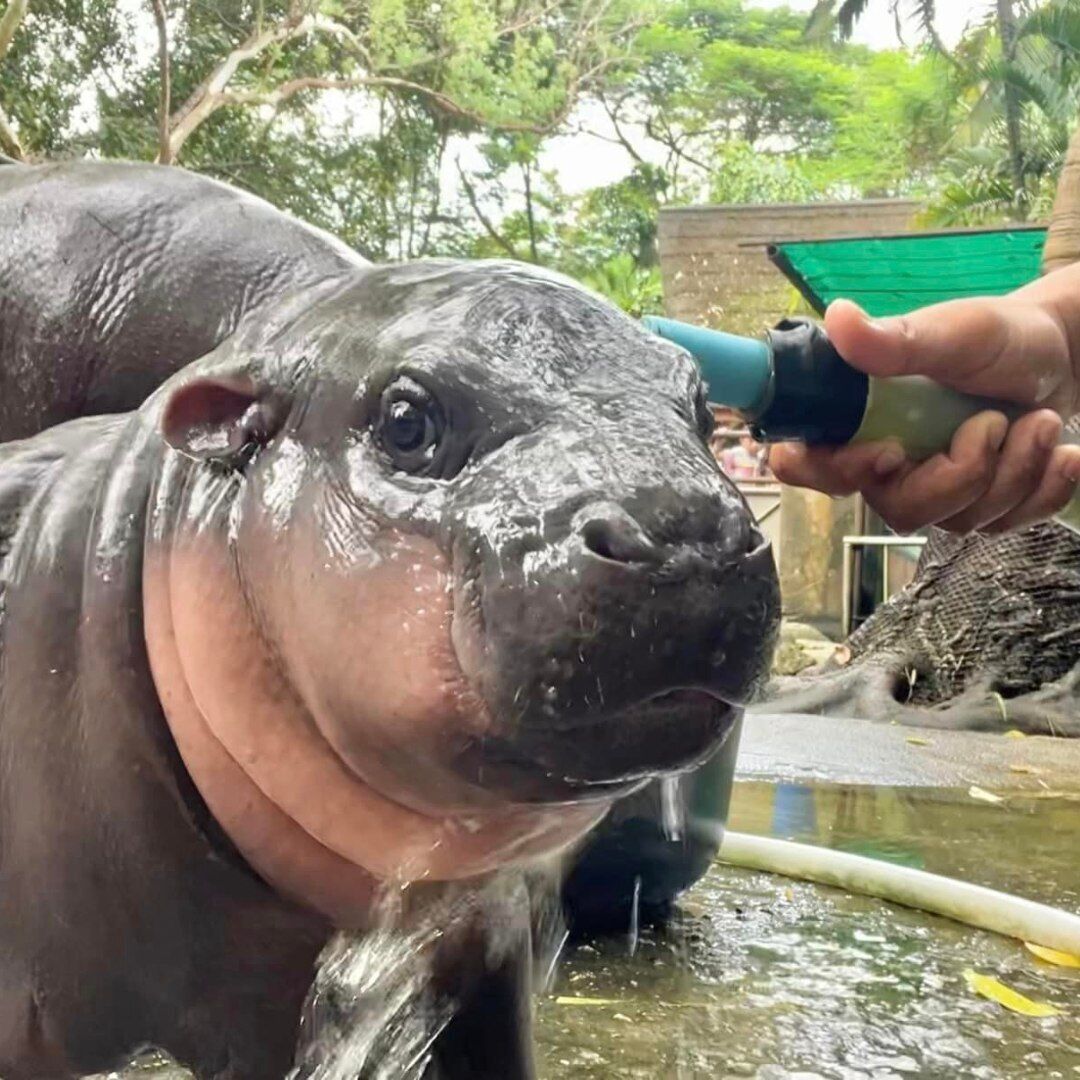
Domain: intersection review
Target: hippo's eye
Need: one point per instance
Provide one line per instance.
(410, 425)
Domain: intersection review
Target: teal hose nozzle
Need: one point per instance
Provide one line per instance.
(791, 385)
(795, 386)
(737, 371)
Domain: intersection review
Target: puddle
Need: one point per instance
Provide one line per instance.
(781, 980)
(778, 980)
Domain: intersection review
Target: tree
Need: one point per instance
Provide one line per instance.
(9, 23)
(844, 14)
(1025, 95)
(736, 103)
(481, 64)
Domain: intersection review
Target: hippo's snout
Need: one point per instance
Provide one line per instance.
(621, 635)
(716, 577)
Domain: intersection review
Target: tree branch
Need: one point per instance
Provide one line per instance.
(205, 99)
(485, 221)
(9, 25)
(164, 154)
(302, 19)
(10, 22)
(620, 136)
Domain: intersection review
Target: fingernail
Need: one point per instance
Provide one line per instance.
(889, 460)
(1048, 434)
(995, 436)
(1070, 468)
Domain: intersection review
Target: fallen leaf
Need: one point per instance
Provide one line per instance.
(1002, 707)
(1008, 998)
(916, 741)
(1052, 956)
(587, 1001)
(984, 796)
(1014, 734)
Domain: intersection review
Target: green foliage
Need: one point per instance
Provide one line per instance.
(60, 53)
(618, 219)
(1043, 76)
(635, 289)
(742, 175)
(709, 99)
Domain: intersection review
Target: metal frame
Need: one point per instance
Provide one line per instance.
(853, 543)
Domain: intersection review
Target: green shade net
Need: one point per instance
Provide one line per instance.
(893, 275)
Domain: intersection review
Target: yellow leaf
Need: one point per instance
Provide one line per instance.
(1014, 734)
(984, 796)
(916, 741)
(998, 992)
(586, 1001)
(1052, 956)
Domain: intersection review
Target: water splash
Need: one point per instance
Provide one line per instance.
(381, 998)
(673, 812)
(372, 1009)
(633, 931)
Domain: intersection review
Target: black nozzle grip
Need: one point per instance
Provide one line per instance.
(817, 396)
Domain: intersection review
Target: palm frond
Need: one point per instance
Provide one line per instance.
(1058, 23)
(925, 12)
(849, 14)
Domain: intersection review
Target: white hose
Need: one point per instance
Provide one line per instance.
(987, 909)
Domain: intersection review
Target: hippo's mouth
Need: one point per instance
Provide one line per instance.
(547, 743)
(602, 755)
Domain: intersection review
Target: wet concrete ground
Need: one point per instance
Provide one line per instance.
(843, 751)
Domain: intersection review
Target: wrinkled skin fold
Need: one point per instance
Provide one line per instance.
(406, 581)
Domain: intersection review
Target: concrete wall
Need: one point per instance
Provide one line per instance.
(713, 259)
(716, 273)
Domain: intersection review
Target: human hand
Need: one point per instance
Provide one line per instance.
(995, 476)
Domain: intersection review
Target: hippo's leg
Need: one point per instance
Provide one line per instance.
(28, 1048)
(488, 973)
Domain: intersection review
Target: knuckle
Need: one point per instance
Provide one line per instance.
(976, 475)
(897, 518)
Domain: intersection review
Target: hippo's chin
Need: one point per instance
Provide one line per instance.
(605, 756)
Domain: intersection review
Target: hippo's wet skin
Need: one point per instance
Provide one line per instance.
(407, 580)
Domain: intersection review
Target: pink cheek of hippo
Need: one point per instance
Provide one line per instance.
(370, 648)
(290, 804)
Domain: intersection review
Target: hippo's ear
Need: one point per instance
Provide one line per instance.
(220, 419)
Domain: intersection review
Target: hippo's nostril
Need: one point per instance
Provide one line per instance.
(614, 535)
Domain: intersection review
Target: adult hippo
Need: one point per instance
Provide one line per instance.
(407, 580)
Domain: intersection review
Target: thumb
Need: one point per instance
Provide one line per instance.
(877, 346)
(994, 348)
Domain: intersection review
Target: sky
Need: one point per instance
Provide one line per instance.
(582, 161)
(878, 28)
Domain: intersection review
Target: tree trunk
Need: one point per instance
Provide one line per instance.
(526, 170)
(1063, 239)
(988, 633)
(1006, 20)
